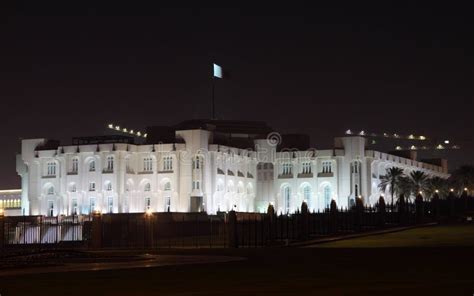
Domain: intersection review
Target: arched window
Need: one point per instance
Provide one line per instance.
(167, 186)
(287, 198)
(147, 187)
(307, 194)
(108, 186)
(75, 165)
(110, 163)
(92, 166)
(327, 196)
(50, 190)
(148, 164)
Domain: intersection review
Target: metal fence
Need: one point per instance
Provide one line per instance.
(199, 230)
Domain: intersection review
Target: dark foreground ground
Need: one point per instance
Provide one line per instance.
(428, 261)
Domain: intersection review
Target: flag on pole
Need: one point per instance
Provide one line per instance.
(217, 71)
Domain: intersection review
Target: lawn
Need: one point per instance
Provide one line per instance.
(436, 236)
(422, 270)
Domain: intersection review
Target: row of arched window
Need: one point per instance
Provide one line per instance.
(307, 196)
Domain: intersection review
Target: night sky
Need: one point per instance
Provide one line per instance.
(69, 70)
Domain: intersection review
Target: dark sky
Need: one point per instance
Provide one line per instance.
(68, 70)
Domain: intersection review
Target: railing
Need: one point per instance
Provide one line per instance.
(199, 230)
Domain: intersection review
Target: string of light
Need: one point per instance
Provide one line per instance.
(126, 131)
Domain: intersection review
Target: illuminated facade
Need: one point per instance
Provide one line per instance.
(10, 202)
(207, 166)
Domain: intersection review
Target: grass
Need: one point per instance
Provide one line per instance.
(409, 267)
(436, 236)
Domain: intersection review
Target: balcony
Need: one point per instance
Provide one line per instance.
(165, 172)
(108, 171)
(72, 173)
(305, 175)
(145, 172)
(285, 176)
(49, 176)
(325, 175)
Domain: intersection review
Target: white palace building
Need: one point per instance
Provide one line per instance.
(202, 165)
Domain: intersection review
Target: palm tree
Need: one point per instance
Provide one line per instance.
(437, 183)
(463, 177)
(405, 186)
(419, 182)
(390, 180)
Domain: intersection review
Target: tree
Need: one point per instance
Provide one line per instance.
(419, 182)
(405, 186)
(463, 177)
(390, 180)
(439, 184)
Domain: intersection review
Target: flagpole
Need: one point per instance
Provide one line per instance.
(213, 99)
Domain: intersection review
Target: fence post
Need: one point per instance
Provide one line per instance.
(232, 229)
(359, 211)
(333, 217)
(419, 208)
(96, 235)
(2, 229)
(381, 212)
(401, 209)
(304, 225)
(451, 206)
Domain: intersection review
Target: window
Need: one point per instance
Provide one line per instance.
(147, 187)
(307, 194)
(92, 166)
(167, 163)
(196, 185)
(167, 186)
(327, 196)
(92, 186)
(327, 167)
(220, 186)
(287, 169)
(50, 190)
(148, 164)
(167, 204)
(75, 165)
(110, 205)
(147, 203)
(110, 163)
(92, 204)
(74, 206)
(306, 168)
(287, 196)
(355, 167)
(72, 188)
(108, 186)
(51, 169)
(50, 208)
(197, 162)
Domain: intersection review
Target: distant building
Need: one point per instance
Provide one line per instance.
(202, 165)
(10, 202)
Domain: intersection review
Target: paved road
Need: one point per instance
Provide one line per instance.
(144, 261)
